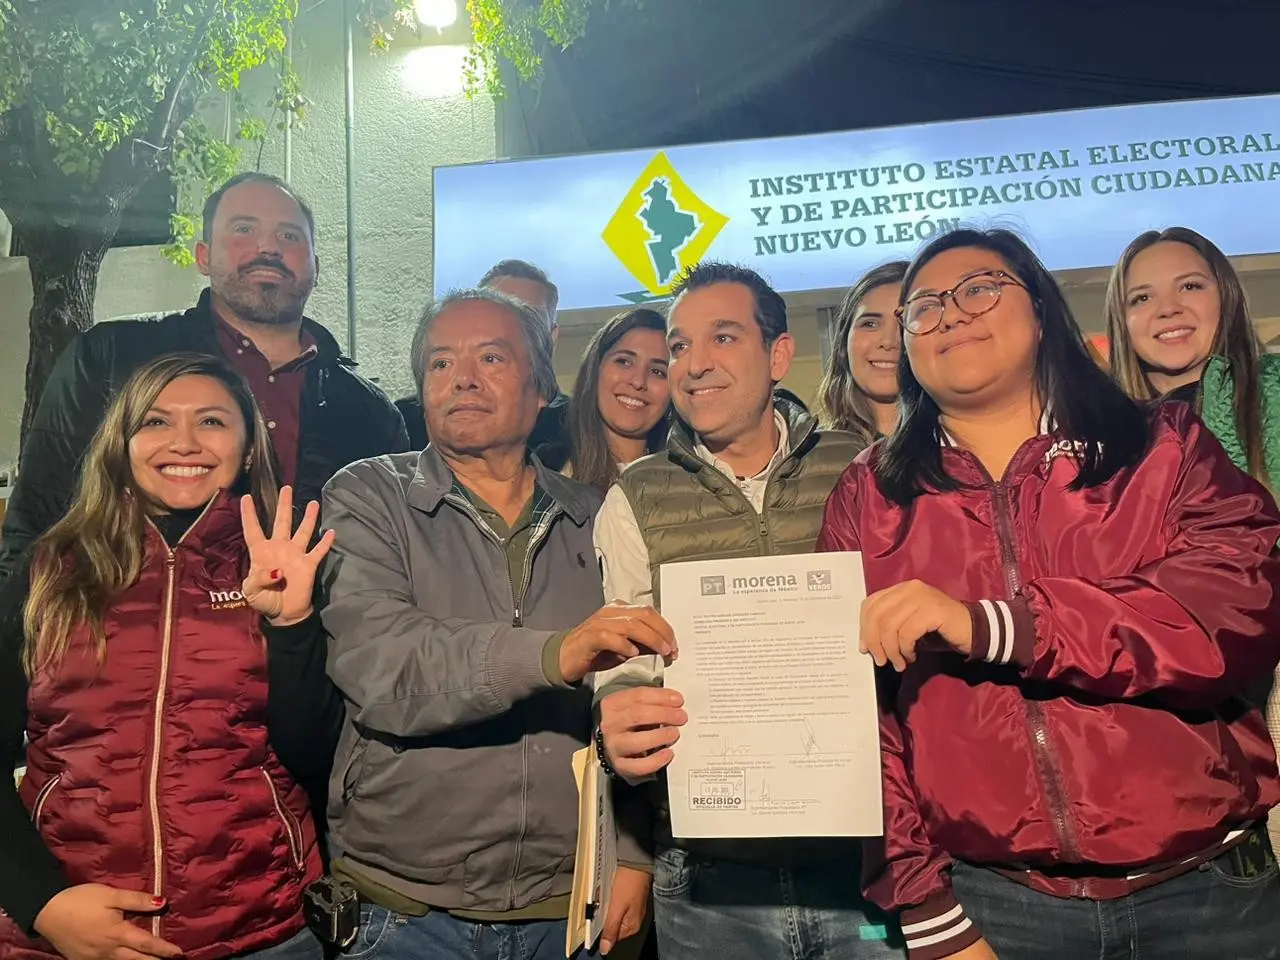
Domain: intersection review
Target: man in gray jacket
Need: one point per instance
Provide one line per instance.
(464, 608)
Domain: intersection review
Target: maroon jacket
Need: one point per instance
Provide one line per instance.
(1096, 732)
(152, 770)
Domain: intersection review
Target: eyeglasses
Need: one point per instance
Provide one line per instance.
(973, 296)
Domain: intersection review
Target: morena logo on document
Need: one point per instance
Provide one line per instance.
(815, 581)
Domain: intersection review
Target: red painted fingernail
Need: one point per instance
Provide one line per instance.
(275, 574)
(158, 901)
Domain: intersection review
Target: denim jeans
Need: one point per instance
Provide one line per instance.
(705, 908)
(301, 946)
(1211, 913)
(438, 936)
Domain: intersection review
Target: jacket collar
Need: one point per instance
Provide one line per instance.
(432, 480)
(1048, 426)
(217, 531)
(682, 444)
(327, 348)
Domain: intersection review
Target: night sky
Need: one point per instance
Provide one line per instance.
(685, 71)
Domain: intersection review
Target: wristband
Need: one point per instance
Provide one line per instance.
(603, 756)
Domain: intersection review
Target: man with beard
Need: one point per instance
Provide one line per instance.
(258, 251)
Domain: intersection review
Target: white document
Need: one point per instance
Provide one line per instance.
(783, 737)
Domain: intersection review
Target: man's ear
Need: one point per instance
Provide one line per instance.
(202, 257)
(555, 334)
(781, 352)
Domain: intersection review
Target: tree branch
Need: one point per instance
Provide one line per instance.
(162, 126)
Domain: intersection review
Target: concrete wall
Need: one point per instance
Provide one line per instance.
(411, 115)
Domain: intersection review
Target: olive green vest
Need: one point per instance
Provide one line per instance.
(688, 510)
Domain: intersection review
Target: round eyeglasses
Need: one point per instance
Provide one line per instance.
(972, 296)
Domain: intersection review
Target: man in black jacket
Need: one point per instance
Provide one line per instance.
(528, 284)
(259, 254)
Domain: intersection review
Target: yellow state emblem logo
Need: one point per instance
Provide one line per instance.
(661, 228)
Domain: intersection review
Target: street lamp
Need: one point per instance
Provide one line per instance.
(436, 14)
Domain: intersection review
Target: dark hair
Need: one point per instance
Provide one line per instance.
(771, 309)
(1237, 338)
(523, 270)
(841, 402)
(593, 462)
(252, 176)
(537, 336)
(1086, 405)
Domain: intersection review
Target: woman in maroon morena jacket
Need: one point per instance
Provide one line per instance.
(1073, 595)
(155, 817)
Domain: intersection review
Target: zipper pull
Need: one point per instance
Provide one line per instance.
(515, 618)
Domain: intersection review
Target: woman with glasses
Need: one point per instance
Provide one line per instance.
(859, 391)
(1067, 596)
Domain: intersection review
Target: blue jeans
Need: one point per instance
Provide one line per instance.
(705, 908)
(1211, 913)
(301, 946)
(438, 936)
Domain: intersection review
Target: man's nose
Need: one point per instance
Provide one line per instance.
(464, 376)
(698, 358)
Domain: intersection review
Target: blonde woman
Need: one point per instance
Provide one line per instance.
(157, 816)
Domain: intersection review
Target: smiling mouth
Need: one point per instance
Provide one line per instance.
(176, 471)
(631, 403)
(703, 391)
(883, 364)
(1174, 334)
(261, 271)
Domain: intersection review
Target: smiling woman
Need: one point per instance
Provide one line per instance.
(1074, 596)
(621, 402)
(158, 624)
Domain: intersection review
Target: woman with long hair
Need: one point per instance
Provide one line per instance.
(621, 400)
(1179, 325)
(859, 390)
(158, 816)
(1180, 329)
(1067, 596)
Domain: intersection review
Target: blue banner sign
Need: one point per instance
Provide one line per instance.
(813, 212)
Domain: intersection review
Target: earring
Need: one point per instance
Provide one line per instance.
(248, 462)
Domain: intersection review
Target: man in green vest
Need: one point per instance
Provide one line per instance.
(745, 474)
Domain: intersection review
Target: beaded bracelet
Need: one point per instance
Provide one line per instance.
(603, 756)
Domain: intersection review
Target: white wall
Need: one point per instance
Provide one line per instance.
(411, 115)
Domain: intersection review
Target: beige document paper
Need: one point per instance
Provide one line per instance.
(783, 738)
(597, 858)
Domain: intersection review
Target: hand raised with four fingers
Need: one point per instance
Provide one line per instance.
(282, 570)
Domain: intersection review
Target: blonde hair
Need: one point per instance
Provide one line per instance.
(1237, 339)
(89, 558)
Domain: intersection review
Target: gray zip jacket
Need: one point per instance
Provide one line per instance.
(452, 783)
